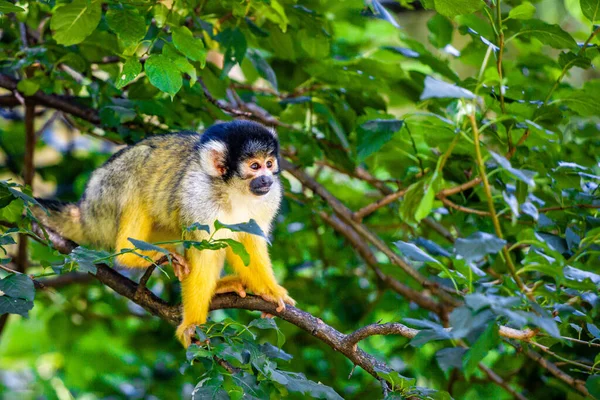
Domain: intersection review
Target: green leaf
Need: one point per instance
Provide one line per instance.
(186, 43)
(584, 102)
(10, 305)
(238, 248)
(249, 227)
(478, 245)
(316, 46)
(8, 7)
(18, 286)
(28, 87)
(373, 134)
(521, 174)
(399, 382)
(263, 67)
(196, 226)
(550, 34)
(128, 24)
(592, 384)
(75, 21)
(414, 253)
(526, 10)
(85, 259)
(435, 88)
(568, 60)
(297, 383)
(450, 357)
(234, 42)
(180, 62)
(452, 8)
(488, 340)
(591, 9)
(163, 74)
(144, 246)
(131, 69)
(440, 31)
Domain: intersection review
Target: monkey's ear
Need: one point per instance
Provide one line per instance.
(272, 130)
(213, 156)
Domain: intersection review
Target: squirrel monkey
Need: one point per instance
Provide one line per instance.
(151, 190)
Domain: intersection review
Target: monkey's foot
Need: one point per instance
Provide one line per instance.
(278, 296)
(185, 333)
(180, 266)
(231, 284)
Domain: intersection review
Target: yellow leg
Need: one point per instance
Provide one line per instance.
(258, 277)
(197, 289)
(136, 224)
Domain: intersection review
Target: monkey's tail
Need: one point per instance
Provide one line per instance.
(63, 218)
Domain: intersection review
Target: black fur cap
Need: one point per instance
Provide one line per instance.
(243, 139)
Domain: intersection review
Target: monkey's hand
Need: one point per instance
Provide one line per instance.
(180, 265)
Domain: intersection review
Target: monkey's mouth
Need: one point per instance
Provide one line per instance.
(260, 190)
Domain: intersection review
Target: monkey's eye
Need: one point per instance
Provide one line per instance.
(269, 164)
(255, 166)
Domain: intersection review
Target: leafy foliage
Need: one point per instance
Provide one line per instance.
(479, 118)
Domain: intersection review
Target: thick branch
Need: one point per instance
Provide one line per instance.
(55, 102)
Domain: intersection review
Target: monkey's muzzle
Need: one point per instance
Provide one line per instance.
(261, 185)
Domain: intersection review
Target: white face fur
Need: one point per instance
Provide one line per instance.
(232, 202)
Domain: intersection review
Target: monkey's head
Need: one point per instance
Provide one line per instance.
(242, 154)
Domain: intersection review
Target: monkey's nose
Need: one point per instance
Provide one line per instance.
(261, 185)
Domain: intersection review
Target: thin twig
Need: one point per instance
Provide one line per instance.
(384, 201)
(490, 201)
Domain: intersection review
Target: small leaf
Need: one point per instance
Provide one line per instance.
(414, 253)
(452, 8)
(8, 7)
(198, 227)
(249, 227)
(10, 305)
(75, 21)
(478, 245)
(568, 60)
(144, 246)
(273, 352)
(486, 342)
(440, 31)
(526, 10)
(85, 259)
(450, 357)
(28, 87)
(297, 383)
(591, 9)
(131, 69)
(593, 329)
(531, 210)
(18, 286)
(592, 384)
(238, 248)
(552, 35)
(579, 275)
(373, 134)
(521, 174)
(185, 42)
(128, 24)
(234, 41)
(263, 67)
(163, 74)
(436, 89)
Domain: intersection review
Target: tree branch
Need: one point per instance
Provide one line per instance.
(55, 102)
(345, 344)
